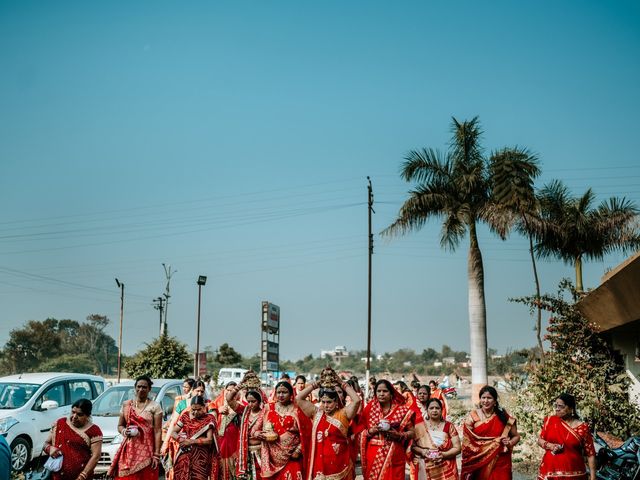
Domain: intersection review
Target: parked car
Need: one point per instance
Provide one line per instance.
(106, 411)
(31, 402)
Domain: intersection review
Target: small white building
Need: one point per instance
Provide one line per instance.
(337, 354)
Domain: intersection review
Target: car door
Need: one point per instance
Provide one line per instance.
(44, 419)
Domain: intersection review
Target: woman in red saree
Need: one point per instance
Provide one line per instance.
(194, 431)
(436, 392)
(436, 451)
(78, 441)
(329, 453)
(228, 433)
(281, 455)
(566, 440)
(251, 436)
(490, 434)
(140, 424)
(387, 425)
(170, 446)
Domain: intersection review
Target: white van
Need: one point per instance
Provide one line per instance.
(226, 375)
(31, 402)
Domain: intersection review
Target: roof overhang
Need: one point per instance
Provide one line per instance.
(616, 301)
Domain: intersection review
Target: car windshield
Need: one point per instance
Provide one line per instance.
(108, 404)
(15, 395)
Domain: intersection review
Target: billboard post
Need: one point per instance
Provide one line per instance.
(270, 344)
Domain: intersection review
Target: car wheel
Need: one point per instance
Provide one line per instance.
(20, 454)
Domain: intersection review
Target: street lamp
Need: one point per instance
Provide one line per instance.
(202, 280)
(121, 287)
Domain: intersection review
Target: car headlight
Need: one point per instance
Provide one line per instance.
(6, 423)
(117, 439)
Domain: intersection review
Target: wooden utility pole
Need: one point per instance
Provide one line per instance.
(370, 210)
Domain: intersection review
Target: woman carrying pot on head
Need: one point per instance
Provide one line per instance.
(195, 434)
(566, 440)
(490, 434)
(329, 453)
(436, 452)
(388, 425)
(77, 440)
(281, 456)
(251, 435)
(140, 424)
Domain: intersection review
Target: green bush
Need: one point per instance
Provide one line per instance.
(580, 363)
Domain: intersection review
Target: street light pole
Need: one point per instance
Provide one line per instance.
(202, 280)
(121, 287)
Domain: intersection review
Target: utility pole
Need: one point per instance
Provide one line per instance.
(121, 287)
(370, 210)
(167, 272)
(158, 304)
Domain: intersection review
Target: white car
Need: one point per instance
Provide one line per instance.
(106, 411)
(31, 402)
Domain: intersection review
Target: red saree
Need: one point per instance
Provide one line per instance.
(276, 457)
(132, 461)
(437, 393)
(248, 464)
(196, 462)
(483, 456)
(330, 456)
(569, 463)
(447, 469)
(382, 458)
(75, 445)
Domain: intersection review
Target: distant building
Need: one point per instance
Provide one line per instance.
(449, 360)
(339, 353)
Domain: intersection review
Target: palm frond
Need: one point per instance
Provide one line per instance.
(422, 165)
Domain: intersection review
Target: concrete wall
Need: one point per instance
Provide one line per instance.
(626, 341)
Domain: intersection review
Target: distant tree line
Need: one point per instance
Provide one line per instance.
(61, 345)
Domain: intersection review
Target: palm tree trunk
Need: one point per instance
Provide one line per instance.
(538, 306)
(477, 315)
(578, 264)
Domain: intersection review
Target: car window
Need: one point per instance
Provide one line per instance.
(99, 386)
(168, 401)
(110, 402)
(15, 395)
(55, 392)
(80, 389)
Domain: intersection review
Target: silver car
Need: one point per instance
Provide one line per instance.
(106, 411)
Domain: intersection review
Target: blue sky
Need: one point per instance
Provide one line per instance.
(233, 139)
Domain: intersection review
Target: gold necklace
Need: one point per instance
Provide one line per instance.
(485, 416)
(284, 409)
(435, 427)
(144, 404)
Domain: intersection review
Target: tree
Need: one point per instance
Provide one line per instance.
(513, 171)
(227, 355)
(36, 346)
(28, 347)
(80, 363)
(455, 186)
(165, 357)
(574, 230)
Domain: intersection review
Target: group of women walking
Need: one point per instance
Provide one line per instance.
(316, 432)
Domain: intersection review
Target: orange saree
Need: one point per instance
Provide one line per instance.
(483, 455)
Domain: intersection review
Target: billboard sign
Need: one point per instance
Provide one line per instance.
(270, 317)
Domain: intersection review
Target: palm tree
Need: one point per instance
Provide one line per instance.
(455, 187)
(513, 171)
(575, 230)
